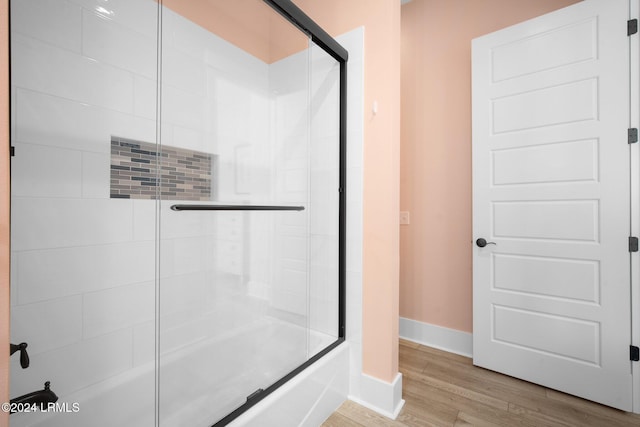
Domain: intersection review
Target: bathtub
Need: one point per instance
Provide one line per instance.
(188, 377)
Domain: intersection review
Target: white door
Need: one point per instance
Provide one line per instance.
(551, 190)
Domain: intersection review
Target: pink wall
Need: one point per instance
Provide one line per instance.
(435, 249)
(248, 24)
(381, 198)
(5, 260)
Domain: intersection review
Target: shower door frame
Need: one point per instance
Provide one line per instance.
(321, 38)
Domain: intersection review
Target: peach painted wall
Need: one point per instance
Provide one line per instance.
(250, 25)
(5, 257)
(381, 198)
(435, 249)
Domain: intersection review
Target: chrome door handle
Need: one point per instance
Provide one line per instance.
(482, 243)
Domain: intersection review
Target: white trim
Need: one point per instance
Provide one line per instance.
(380, 396)
(634, 122)
(446, 339)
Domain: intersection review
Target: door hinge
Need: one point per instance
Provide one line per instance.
(634, 353)
(632, 26)
(633, 244)
(12, 151)
(632, 135)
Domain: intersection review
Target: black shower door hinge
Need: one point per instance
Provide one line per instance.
(634, 353)
(12, 151)
(633, 244)
(632, 26)
(632, 135)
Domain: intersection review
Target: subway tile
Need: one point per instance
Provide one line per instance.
(183, 293)
(144, 219)
(144, 342)
(95, 175)
(117, 308)
(48, 69)
(47, 325)
(183, 71)
(141, 15)
(324, 152)
(42, 171)
(293, 281)
(182, 108)
(54, 121)
(51, 21)
(145, 97)
(295, 180)
(293, 247)
(56, 223)
(55, 273)
(75, 366)
(323, 250)
(193, 254)
(110, 42)
(172, 339)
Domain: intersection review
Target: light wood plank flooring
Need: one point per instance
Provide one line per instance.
(444, 389)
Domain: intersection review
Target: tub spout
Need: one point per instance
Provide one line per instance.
(42, 398)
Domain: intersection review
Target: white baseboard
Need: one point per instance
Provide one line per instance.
(380, 396)
(446, 339)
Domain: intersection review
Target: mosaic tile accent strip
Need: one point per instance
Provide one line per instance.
(184, 174)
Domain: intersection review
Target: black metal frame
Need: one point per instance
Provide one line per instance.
(235, 208)
(297, 17)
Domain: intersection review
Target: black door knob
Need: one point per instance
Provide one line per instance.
(483, 242)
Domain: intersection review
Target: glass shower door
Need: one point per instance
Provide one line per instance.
(234, 273)
(83, 89)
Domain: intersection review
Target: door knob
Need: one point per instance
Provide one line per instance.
(482, 243)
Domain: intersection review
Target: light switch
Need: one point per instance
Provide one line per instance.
(404, 218)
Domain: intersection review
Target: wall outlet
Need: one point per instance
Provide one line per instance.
(404, 218)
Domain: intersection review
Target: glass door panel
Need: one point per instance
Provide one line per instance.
(234, 278)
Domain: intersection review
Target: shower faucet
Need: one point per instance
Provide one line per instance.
(24, 357)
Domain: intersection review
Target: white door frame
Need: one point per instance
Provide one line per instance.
(634, 151)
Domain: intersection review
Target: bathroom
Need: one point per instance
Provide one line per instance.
(273, 283)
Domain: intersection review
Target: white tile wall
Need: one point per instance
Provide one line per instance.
(103, 39)
(47, 274)
(61, 167)
(140, 15)
(51, 21)
(48, 69)
(145, 99)
(75, 366)
(54, 223)
(95, 175)
(50, 120)
(183, 71)
(117, 308)
(48, 325)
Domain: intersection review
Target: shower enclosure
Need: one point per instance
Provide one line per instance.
(178, 207)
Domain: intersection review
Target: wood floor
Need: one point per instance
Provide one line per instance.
(444, 389)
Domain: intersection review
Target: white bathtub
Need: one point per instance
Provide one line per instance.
(189, 385)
